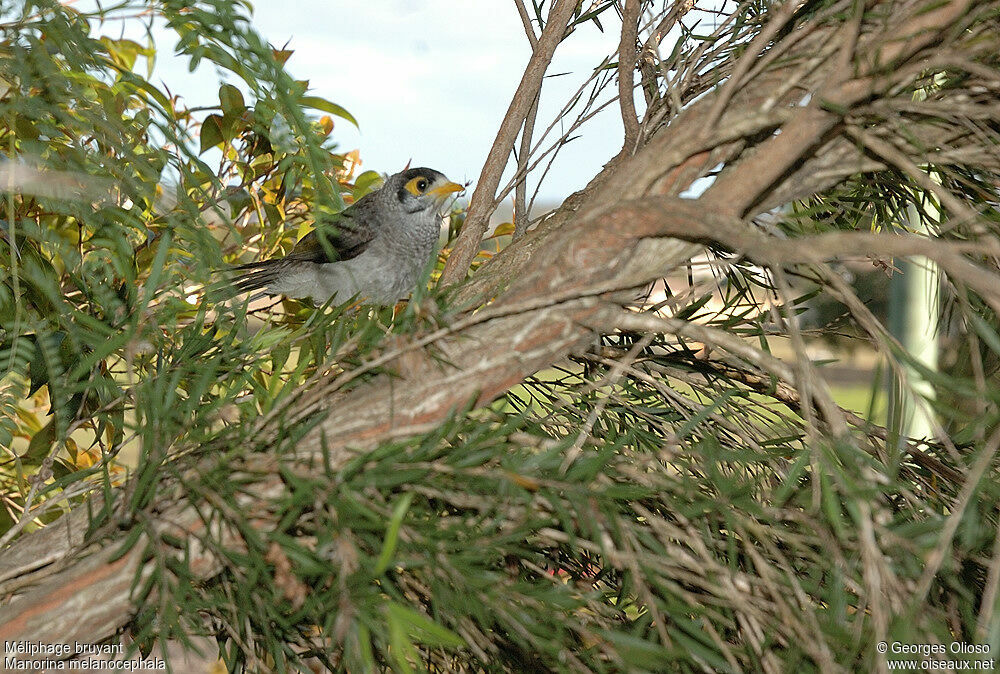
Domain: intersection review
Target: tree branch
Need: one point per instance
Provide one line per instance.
(482, 203)
(524, 150)
(626, 68)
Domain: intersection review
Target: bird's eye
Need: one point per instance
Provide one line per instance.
(417, 186)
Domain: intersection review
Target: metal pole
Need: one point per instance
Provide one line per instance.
(914, 311)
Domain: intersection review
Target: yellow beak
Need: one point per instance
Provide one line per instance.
(442, 191)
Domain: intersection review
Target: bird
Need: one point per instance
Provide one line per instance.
(376, 249)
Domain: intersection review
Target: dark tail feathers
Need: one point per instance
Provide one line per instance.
(244, 278)
(256, 275)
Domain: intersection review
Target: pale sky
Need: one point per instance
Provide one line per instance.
(428, 80)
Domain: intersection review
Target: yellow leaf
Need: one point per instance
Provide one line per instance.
(29, 422)
(352, 162)
(504, 229)
(528, 483)
(88, 458)
(281, 55)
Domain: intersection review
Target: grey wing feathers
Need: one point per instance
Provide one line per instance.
(346, 237)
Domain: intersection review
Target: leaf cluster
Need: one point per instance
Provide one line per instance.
(115, 219)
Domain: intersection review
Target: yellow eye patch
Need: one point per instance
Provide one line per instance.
(417, 186)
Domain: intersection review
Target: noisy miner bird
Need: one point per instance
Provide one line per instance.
(375, 249)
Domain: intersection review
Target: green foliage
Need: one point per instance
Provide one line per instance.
(113, 222)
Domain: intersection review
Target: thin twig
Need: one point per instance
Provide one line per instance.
(521, 209)
(521, 214)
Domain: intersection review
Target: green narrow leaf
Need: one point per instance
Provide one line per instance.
(421, 629)
(392, 534)
(326, 106)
